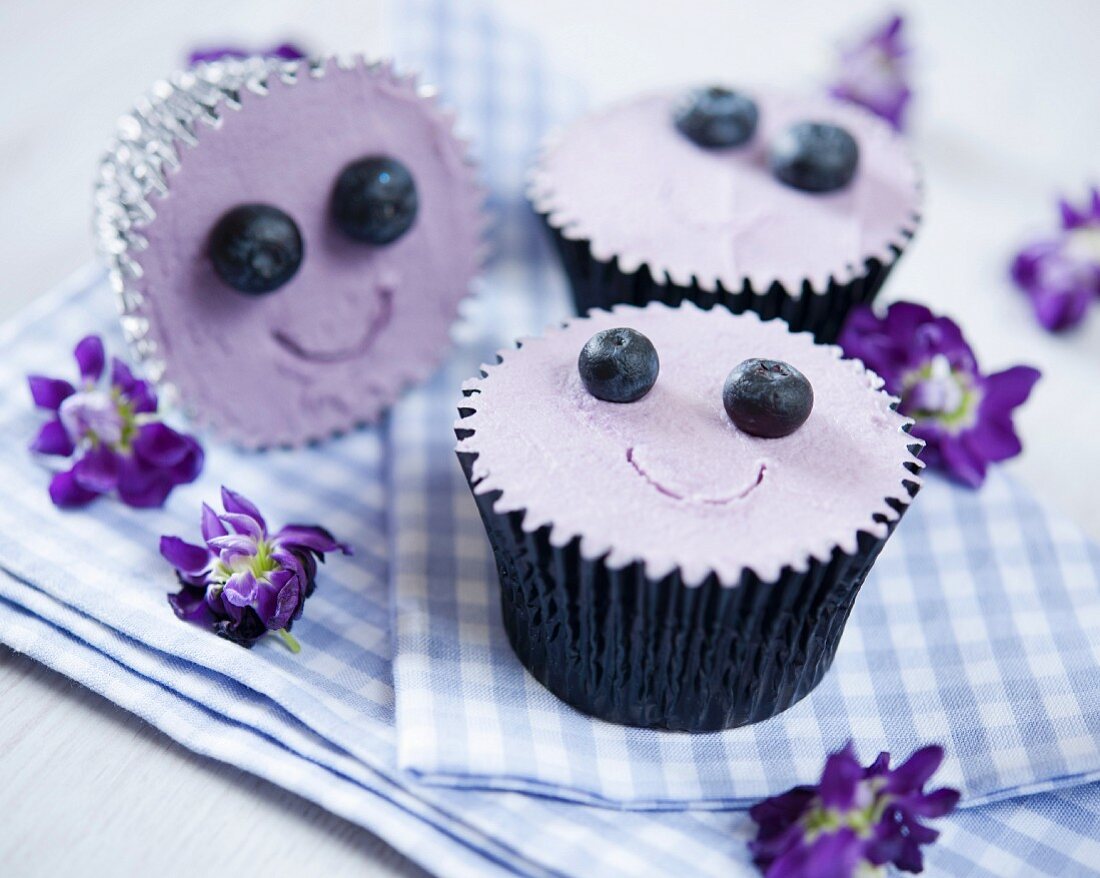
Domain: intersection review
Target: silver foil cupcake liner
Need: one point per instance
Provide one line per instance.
(602, 284)
(656, 653)
(148, 145)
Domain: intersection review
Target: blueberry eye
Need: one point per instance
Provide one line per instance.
(814, 157)
(716, 117)
(255, 248)
(767, 398)
(375, 200)
(618, 365)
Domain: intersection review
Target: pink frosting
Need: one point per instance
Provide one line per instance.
(630, 183)
(669, 480)
(356, 324)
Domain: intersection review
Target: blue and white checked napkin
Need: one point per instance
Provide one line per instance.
(456, 833)
(84, 593)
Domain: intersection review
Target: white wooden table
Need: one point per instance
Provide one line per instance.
(1008, 117)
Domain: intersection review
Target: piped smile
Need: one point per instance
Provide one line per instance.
(710, 499)
(348, 352)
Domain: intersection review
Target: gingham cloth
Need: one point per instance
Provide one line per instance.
(84, 593)
(454, 833)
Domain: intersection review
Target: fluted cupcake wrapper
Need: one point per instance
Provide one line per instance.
(601, 284)
(657, 653)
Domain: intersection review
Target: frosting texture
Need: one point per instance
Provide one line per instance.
(626, 180)
(669, 480)
(335, 345)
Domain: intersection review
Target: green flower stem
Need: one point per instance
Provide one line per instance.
(293, 645)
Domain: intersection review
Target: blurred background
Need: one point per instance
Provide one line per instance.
(1005, 119)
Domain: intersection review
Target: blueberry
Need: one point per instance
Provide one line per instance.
(255, 248)
(767, 398)
(717, 117)
(619, 365)
(814, 156)
(374, 200)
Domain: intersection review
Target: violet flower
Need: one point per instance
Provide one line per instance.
(855, 821)
(113, 433)
(1061, 275)
(283, 51)
(244, 581)
(874, 73)
(963, 416)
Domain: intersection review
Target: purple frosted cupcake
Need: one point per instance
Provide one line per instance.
(791, 207)
(686, 560)
(290, 242)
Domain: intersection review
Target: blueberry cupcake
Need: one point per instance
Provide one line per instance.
(683, 505)
(791, 207)
(290, 241)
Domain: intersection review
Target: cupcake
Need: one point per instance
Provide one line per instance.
(791, 207)
(290, 242)
(683, 505)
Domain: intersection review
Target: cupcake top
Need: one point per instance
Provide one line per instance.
(292, 242)
(668, 479)
(639, 189)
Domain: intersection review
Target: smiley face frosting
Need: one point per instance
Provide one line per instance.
(627, 180)
(668, 479)
(348, 323)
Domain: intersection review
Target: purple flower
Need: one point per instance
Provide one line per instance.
(284, 51)
(112, 432)
(874, 73)
(244, 581)
(1061, 274)
(963, 416)
(855, 821)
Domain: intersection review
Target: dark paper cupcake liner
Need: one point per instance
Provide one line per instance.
(599, 284)
(657, 653)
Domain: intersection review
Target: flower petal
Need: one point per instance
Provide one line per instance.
(961, 463)
(833, 855)
(142, 486)
(90, 358)
(1008, 389)
(311, 537)
(240, 590)
(49, 393)
(879, 767)
(840, 778)
(211, 525)
(1069, 215)
(934, 804)
(915, 771)
(244, 525)
(1059, 311)
(98, 470)
(66, 492)
(142, 398)
(773, 815)
(160, 445)
(190, 605)
(288, 604)
(53, 438)
(234, 502)
(240, 543)
(190, 466)
(184, 556)
(288, 559)
(993, 439)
